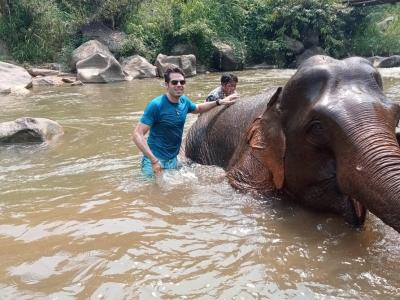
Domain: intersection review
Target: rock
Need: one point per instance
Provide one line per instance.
(69, 79)
(42, 72)
(308, 53)
(100, 68)
(113, 39)
(186, 62)
(86, 50)
(311, 39)
(13, 77)
(375, 60)
(29, 130)
(76, 83)
(138, 67)
(201, 69)
(48, 81)
(224, 58)
(389, 62)
(294, 46)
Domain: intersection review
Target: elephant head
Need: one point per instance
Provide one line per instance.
(328, 141)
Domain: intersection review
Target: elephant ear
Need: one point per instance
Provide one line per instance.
(267, 140)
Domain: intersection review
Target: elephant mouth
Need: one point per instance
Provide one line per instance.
(358, 212)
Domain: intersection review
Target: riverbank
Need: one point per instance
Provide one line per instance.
(277, 33)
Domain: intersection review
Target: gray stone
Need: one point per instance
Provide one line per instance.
(13, 77)
(113, 39)
(293, 45)
(48, 81)
(390, 62)
(42, 72)
(86, 50)
(309, 53)
(224, 58)
(186, 62)
(311, 39)
(138, 67)
(29, 130)
(100, 68)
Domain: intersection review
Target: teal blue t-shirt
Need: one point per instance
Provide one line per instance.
(166, 121)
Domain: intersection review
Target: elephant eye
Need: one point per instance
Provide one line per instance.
(316, 128)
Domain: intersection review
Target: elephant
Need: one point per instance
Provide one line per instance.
(326, 140)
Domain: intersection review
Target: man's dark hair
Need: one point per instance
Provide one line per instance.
(228, 77)
(169, 70)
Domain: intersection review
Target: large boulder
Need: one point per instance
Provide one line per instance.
(13, 77)
(224, 58)
(51, 80)
(137, 66)
(86, 50)
(308, 53)
(375, 60)
(390, 62)
(385, 62)
(42, 72)
(29, 130)
(311, 39)
(186, 62)
(100, 68)
(294, 45)
(113, 39)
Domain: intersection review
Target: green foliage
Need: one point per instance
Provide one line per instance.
(270, 21)
(258, 30)
(372, 39)
(40, 30)
(33, 31)
(160, 24)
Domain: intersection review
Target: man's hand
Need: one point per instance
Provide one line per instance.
(229, 100)
(156, 168)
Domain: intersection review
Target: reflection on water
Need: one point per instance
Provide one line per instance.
(78, 220)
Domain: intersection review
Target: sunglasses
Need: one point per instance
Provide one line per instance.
(175, 82)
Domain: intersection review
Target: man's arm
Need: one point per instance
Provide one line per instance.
(139, 139)
(203, 107)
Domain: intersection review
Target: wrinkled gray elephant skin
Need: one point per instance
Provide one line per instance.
(326, 140)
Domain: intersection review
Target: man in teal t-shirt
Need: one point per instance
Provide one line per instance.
(165, 118)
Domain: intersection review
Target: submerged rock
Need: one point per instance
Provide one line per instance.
(29, 130)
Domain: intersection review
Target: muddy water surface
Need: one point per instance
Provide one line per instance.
(78, 221)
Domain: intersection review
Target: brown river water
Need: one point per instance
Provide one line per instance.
(78, 221)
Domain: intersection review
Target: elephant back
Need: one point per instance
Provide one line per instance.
(219, 135)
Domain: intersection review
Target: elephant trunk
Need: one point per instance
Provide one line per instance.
(370, 173)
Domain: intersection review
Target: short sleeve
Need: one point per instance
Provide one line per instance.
(191, 105)
(150, 114)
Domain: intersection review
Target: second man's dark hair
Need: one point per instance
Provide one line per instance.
(168, 71)
(228, 77)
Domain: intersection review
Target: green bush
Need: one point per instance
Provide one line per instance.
(161, 24)
(269, 22)
(40, 30)
(33, 31)
(370, 40)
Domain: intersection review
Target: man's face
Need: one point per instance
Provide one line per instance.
(229, 88)
(176, 85)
